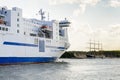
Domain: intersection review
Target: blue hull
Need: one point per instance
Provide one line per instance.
(16, 60)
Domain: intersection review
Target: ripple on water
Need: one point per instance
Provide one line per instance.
(70, 69)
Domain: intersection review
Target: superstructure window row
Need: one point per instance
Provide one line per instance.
(3, 29)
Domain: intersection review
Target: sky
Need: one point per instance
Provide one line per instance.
(95, 20)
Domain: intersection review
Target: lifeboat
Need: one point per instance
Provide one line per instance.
(44, 27)
(1, 21)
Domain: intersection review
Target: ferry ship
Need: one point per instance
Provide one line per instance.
(25, 40)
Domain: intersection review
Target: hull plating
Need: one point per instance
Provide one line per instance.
(15, 60)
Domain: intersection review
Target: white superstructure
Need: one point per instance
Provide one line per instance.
(30, 40)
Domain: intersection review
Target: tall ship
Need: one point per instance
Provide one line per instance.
(25, 40)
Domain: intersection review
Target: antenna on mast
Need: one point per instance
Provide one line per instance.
(48, 17)
(42, 13)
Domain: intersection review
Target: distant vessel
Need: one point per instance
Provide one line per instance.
(90, 56)
(30, 40)
(94, 48)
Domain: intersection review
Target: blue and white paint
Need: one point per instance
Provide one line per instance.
(30, 40)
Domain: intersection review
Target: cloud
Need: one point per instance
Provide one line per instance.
(82, 4)
(80, 10)
(84, 32)
(109, 37)
(79, 35)
(115, 30)
(113, 37)
(57, 2)
(114, 3)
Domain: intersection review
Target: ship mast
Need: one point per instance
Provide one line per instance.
(42, 13)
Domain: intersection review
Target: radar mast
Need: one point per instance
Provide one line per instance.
(42, 13)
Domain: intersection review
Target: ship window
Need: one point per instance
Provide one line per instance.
(24, 33)
(3, 28)
(35, 41)
(5, 12)
(18, 19)
(18, 25)
(18, 14)
(6, 29)
(18, 31)
(32, 34)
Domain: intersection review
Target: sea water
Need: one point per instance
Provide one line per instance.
(66, 69)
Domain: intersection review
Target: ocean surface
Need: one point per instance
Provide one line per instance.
(70, 69)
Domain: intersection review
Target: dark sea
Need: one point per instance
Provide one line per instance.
(70, 69)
